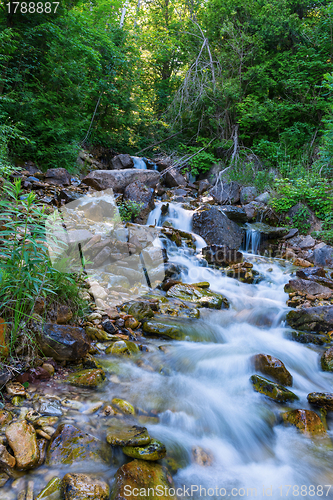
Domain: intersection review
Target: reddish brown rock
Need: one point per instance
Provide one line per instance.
(273, 367)
(306, 421)
(22, 439)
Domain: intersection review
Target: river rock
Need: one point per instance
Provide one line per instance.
(222, 255)
(84, 487)
(307, 338)
(321, 399)
(307, 286)
(323, 256)
(237, 214)
(123, 406)
(274, 391)
(3, 479)
(307, 243)
(121, 434)
(312, 319)
(6, 459)
(173, 178)
(140, 310)
(153, 451)
(109, 327)
(87, 378)
(123, 348)
(311, 273)
(326, 360)
(58, 176)
(216, 229)
(139, 193)
(119, 179)
(5, 417)
(264, 198)
(64, 315)
(199, 296)
(70, 445)
(122, 161)
(164, 327)
(273, 367)
(203, 186)
(226, 193)
(306, 421)
(51, 491)
(248, 194)
(22, 439)
(63, 342)
(145, 476)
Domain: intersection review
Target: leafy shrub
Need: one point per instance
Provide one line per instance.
(129, 209)
(200, 162)
(301, 219)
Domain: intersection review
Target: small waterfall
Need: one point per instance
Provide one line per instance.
(252, 240)
(173, 213)
(139, 163)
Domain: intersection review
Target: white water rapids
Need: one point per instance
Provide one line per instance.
(203, 395)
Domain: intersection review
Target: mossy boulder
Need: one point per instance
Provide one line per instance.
(308, 338)
(201, 296)
(274, 391)
(153, 451)
(123, 348)
(121, 434)
(123, 406)
(87, 378)
(52, 490)
(307, 421)
(273, 367)
(91, 362)
(163, 327)
(69, 445)
(140, 310)
(84, 487)
(97, 334)
(151, 478)
(321, 399)
(326, 360)
(312, 319)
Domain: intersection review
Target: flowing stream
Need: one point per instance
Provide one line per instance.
(203, 395)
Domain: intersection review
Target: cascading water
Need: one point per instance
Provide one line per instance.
(252, 240)
(201, 392)
(139, 163)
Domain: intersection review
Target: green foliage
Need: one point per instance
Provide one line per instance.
(26, 273)
(300, 219)
(247, 174)
(129, 209)
(200, 162)
(314, 191)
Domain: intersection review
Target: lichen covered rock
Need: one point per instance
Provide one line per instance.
(273, 367)
(274, 391)
(153, 451)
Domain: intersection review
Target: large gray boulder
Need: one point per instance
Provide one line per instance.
(226, 193)
(119, 179)
(173, 178)
(62, 342)
(312, 319)
(323, 256)
(216, 229)
(122, 161)
(307, 286)
(248, 194)
(138, 192)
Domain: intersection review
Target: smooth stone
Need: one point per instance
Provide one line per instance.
(216, 229)
(143, 475)
(123, 406)
(321, 399)
(6, 459)
(201, 297)
(3, 479)
(87, 378)
(155, 450)
(326, 360)
(273, 367)
(307, 338)
(51, 491)
(84, 487)
(121, 434)
(123, 347)
(70, 445)
(22, 439)
(5, 417)
(140, 310)
(274, 391)
(63, 342)
(307, 286)
(155, 327)
(306, 421)
(50, 408)
(312, 319)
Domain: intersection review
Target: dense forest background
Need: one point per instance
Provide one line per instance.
(250, 81)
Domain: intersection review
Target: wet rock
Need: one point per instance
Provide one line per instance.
(140, 310)
(145, 476)
(307, 243)
(122, 161)
(273, 367)
(307, 286)
(3, 479)
(119, 179)
(51, 490)
(274, 391)
(48, 368)
(311, 273)
(236, 214)
(153, 451)
(42, 447)
(302, 263)
(173, 178)
(323, 256)
(101, 257)
(63, 342)
(165, 328)
(97, 334)
(259, 211)
(58, 176)
(326, 360)
(15, 389)
(312, 319)
(221, 255)
(307, 338)
(123, 406)
(132, 323)
(50, 408)
(22, 439)
(121, 434)
(84, 487)
(87, 378)
(6, 459)
(70, 445)
(91, 362)
(109, 327)
(201, 457)
(199, 296)
(139, 193)
(64, 315)
(306, 421)
(123, 348)
(216, 229)
(293, 232)
(321, 399)
(5, 417)
(270, 232)
(248, 194)
(226, 193)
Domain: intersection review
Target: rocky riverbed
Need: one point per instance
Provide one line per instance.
(204, 374)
